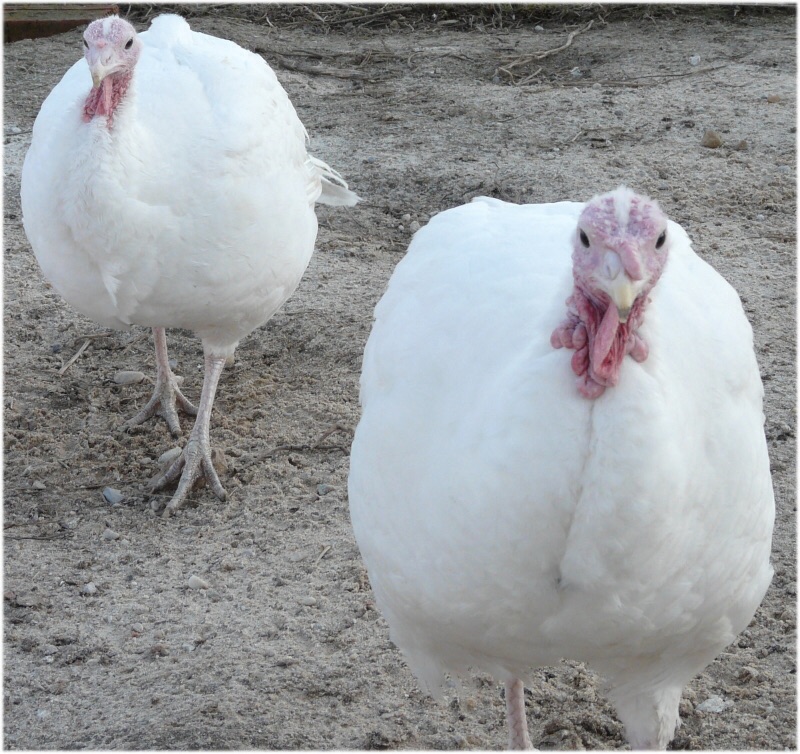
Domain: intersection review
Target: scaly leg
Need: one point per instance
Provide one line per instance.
(195, 460)
(166, 392)
(515, 714)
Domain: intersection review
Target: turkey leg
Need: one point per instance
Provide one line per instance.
(166, 392)
(194, 461)
(515, 714)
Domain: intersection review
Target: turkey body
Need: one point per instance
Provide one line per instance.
(508, 522)
(194, 210)
(168, 185)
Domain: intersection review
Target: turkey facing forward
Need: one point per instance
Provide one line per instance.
(531, 482)
(168, 185)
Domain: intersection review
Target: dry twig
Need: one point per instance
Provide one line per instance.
(525, 59)
(93, 336)
(321, 70)
(74, 358)
(59, 535)
(316, 445)
(389, 11)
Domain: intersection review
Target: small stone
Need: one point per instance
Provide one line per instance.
(760, 216)
(112, 496)
(307, 601)
(37, 485)
(748, 674)
(195, 582)
(90, 588)
(576, 73)
(219, 461)
(168, 456)
(109, 535)
(711, 139)
(694, 60)
(159, 650)
(49, 649)
(788, 616)
(41, 714)
(742, 146)
(137, 628)
(324, 489)
(406, 218)
(56, 348)
(714, 704)
(538, 28)
(26, 600)
(128, 378)
(414, 227)
(773, 98)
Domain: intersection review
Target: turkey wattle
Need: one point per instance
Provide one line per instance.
(508, 517)
(168, 185)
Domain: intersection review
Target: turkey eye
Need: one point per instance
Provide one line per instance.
(584, 239)
(129, 44)
(661, 239)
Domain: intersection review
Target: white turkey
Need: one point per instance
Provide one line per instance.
(168, 185)
(534, 480)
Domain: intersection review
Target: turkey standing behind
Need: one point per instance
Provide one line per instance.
(168, 185)
(508, 517)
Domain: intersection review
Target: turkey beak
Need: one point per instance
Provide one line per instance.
(101, 63)
(623, 295)
(99, 72)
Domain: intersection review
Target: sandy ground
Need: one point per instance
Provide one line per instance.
(285, 648)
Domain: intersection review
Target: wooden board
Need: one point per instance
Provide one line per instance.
(29, 21)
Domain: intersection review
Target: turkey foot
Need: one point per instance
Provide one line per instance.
(195, 461)
(166, 393)
(518, 738)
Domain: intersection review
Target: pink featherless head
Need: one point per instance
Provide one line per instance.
(619, 250)
(111, 47)
(628, 225)
(112, 50)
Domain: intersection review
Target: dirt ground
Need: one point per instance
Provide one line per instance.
(285, 649)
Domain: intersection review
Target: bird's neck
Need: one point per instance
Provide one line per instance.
(104, 100)
(600, 341)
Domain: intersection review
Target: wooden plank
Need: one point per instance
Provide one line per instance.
(30, 21)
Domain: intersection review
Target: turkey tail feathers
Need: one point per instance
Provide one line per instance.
(334, 187)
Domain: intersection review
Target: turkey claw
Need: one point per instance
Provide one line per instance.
(163, 403)
(194, 464)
